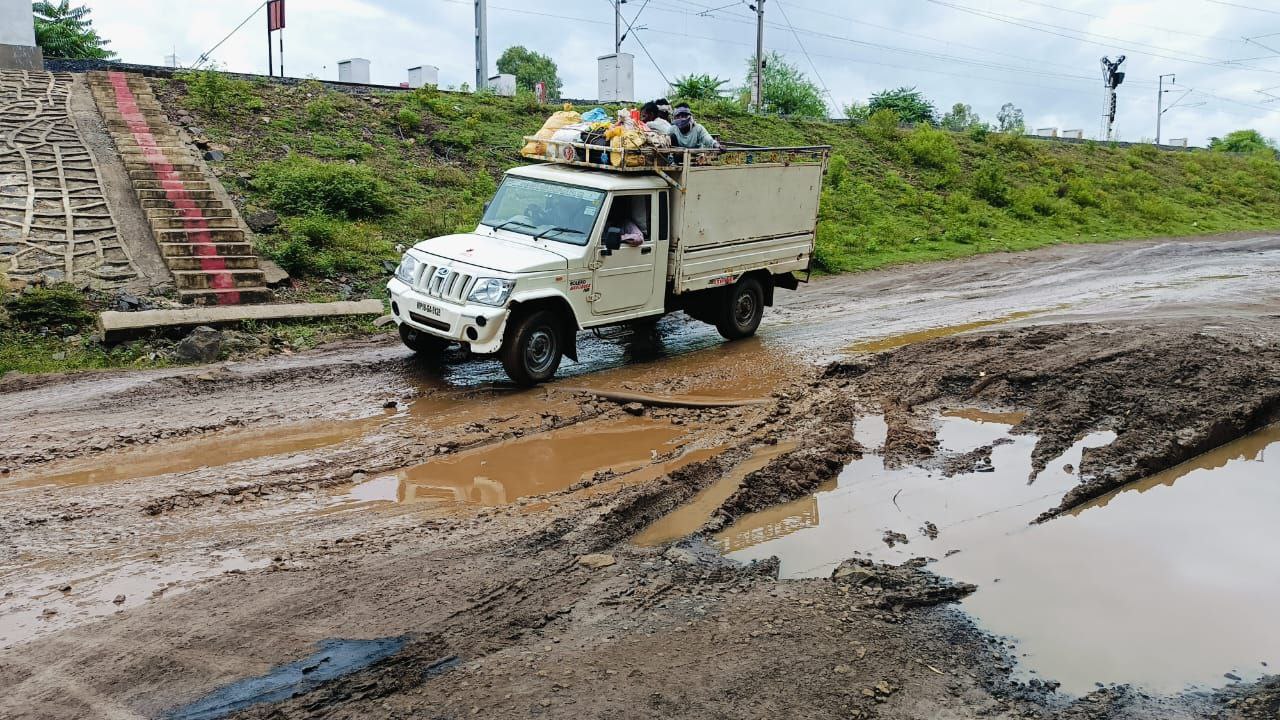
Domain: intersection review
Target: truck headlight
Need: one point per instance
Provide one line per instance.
(408, 268)
(491, 291)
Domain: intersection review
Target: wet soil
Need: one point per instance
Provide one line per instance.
(282, 507)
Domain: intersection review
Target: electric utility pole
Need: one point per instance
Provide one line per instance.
(1160, 102)
(482, 46)
(759, 89)
(1111, 79)
(617, 26)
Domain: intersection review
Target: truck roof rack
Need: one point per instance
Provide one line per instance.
(674, 159)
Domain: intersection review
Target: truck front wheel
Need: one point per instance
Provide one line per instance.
(533, 348)
(742, 310)
(427, 345)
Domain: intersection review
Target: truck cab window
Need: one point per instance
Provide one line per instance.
(631, 213)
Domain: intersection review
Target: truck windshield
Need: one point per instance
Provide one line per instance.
(563, 213)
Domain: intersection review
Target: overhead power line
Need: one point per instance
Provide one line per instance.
(204, 56)
(803, 50)
(1116, 43)
(1094, 16)
(1246, 7)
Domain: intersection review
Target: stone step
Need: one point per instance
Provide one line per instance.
(188, 185)
(208, 279)
(175, 214)
(150, 203)
(126, 142)
(145, 194)
(141, 165)
(193, 262)
(187, 249)
(235, 235)
(151, 174)
(170, 154)
(214, 297)
(210, 223)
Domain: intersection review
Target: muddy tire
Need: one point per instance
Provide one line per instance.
(428, 346)
(534, 348)
(742, 310)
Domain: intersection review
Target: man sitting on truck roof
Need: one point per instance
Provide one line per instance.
(688, 133)
(652, 116)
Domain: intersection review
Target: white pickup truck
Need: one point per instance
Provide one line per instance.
(712, 233)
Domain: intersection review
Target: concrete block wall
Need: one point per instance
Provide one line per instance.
(198, 234)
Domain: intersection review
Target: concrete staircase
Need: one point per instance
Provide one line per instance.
(198, 231)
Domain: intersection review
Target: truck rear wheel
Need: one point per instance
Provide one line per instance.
(425, 344)
(743, 308)
(534, 348)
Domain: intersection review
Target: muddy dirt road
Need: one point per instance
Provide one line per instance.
(1038, 484)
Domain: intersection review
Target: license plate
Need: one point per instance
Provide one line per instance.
(429, 309)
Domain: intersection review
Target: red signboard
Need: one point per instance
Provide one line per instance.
(275, 15)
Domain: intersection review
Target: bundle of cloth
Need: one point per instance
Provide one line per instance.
(626, 132)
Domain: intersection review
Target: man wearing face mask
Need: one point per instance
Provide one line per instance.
(687, 133)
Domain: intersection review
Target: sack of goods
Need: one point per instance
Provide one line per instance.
(626, 135)
(538, 147)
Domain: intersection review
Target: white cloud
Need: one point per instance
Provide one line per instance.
(951, 55)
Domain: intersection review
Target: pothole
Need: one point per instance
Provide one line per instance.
(1143, 586)
(503, 473)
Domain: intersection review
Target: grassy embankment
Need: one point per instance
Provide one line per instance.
(353, 176)
(414, 165)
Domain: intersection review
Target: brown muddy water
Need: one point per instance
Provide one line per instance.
(503, 473)
(1168, 584)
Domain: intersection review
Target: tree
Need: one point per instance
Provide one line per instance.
(787, 90)
(857, 111)
(698, 87)
(530, 68)
(909, 104)
(1011, 120)
(63, 31)
(961, 117)
(1243, 141)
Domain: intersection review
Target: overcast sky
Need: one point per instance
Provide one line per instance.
(1042, 55)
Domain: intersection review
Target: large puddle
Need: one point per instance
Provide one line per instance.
(501, 474)
(1169, 584)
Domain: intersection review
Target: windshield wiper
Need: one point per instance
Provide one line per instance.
(512, 222)
(543, 234)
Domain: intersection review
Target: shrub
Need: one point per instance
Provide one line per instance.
(978, 133)
(319, 112)
(1031, 201)
(217, 93)
(1082, 192)
(882, 125)
(932, 148)
(408, 121)
(52, 307)
(302, 186)
(990, 185)
(837, 170)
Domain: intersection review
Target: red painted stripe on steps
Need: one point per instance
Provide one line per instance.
(175, 191)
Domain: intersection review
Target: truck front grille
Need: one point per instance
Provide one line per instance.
(452, 285)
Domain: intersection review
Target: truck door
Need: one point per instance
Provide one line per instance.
(624, 278)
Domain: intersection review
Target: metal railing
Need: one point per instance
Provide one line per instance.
(649, 158)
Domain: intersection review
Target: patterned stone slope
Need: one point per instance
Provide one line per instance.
(55, 222)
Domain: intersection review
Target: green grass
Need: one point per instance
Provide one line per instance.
(354, 176)
(892, 196)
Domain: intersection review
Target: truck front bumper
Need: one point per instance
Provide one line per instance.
(480, 326)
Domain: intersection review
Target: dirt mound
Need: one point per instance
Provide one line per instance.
(1168, 392)
(792, 475)
(898, 586)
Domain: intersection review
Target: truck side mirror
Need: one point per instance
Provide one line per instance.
(612, 240)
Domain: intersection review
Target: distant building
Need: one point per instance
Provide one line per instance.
(18, 49)
(355, 70)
